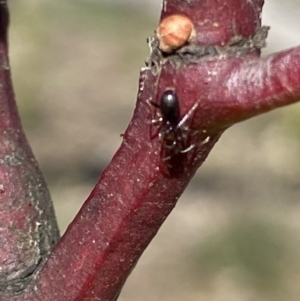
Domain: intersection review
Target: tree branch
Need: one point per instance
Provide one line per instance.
(27, 222)
(219, 80)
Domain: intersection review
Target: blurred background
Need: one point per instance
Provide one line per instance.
(235, 233)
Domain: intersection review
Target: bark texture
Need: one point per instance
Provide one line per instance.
(219, 74)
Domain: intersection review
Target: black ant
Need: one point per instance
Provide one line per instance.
(172, 130)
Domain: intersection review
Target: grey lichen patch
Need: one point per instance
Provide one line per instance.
(240, 45)
(33, 226)
(15, 158)
(260, 36)
(192, 53)
(15, 277)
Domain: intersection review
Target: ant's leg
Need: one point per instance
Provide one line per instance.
(187, 135)
(184, 132)
(156, 121)
(187, 115)
(186, 150)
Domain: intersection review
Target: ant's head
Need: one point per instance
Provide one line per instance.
(169, 107)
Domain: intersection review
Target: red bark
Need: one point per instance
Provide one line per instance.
(222, 73)
(27, 222)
